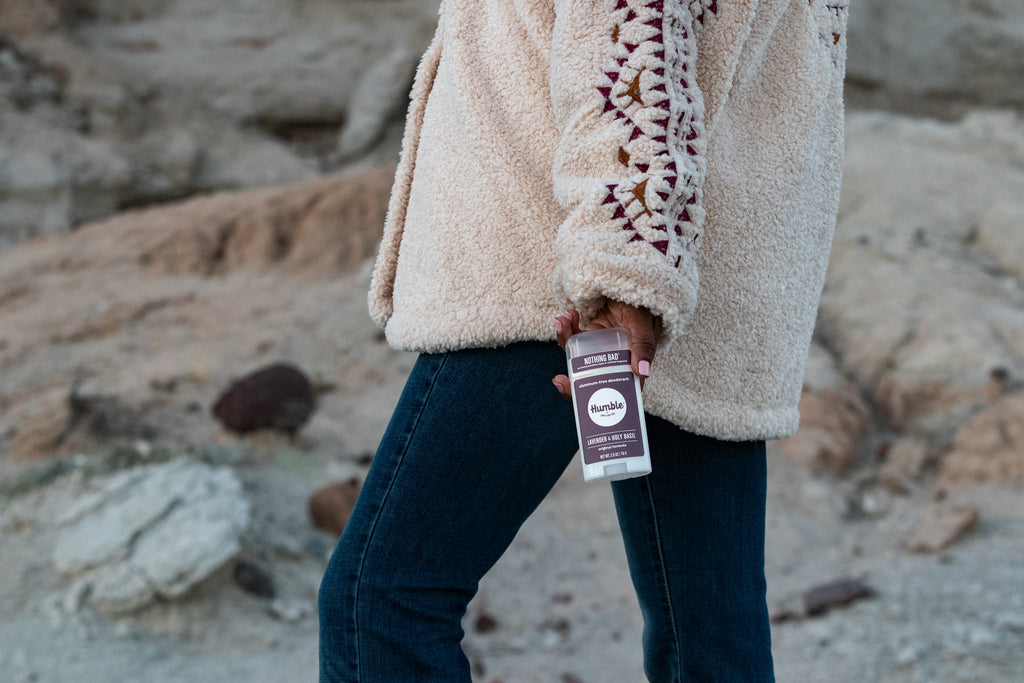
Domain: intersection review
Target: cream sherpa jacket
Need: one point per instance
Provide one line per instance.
(681, 155)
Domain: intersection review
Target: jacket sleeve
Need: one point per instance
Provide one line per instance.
(629, 168)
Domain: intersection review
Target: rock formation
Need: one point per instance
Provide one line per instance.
(122, 103)
(923, 308)
(190, 296)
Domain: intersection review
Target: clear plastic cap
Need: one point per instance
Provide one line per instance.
(596, 341)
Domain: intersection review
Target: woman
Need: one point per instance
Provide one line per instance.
(668, 166)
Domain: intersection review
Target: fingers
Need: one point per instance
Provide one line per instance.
(644, 330)
(643, 345)
(561, 383)
(566, 326)
(574, 317)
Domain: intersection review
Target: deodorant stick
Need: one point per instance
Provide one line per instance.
(608, 406)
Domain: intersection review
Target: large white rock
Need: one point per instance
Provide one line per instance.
(151, 532)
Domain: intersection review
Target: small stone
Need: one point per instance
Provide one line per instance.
(562, 598)
(331, 506)
(840, 593)
(277, 396)
(942, 524)
(558, 625)
(875, 504)
(910, 654)
(555, 631)
(1010, 621)
(288, 611)
(485, 622)
(782, 615)
(254, 580)
(124, 630)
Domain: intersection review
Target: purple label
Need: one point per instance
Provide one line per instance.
(608, 415)
(604, 359)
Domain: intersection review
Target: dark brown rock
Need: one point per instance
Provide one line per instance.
(278, 397)
(331, 506)
(254, 580)
(820, 599)
(562, 598)
(485, 623)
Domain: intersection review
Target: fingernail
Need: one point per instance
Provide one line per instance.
(558, 325)
(644, 367)
(557, 385)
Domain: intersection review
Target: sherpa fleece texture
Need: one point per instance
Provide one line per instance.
(683, 156)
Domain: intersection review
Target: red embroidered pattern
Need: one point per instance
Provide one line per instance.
(651, 91)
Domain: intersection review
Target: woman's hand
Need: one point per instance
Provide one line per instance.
(644, 330)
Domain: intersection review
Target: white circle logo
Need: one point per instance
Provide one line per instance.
(607, 407)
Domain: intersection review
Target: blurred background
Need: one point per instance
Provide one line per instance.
(191, 391)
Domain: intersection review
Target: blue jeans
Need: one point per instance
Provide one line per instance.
(477, 440)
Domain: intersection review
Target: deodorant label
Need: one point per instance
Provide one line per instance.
(605, 359)
(606, 407)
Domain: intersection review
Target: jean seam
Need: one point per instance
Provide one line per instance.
(663, 575)
(383, 501)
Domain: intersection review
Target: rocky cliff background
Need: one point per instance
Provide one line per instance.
(190, 191)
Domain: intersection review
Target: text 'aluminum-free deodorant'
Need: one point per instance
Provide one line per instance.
(608, 407)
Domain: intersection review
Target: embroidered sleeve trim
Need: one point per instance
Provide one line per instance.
(650, 90)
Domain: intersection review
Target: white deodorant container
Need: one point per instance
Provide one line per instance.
(608, 407)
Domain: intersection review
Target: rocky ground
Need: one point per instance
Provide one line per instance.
(905, 476)
(141, 540)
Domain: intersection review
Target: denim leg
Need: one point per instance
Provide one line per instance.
(477, 440)
(694, 535)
